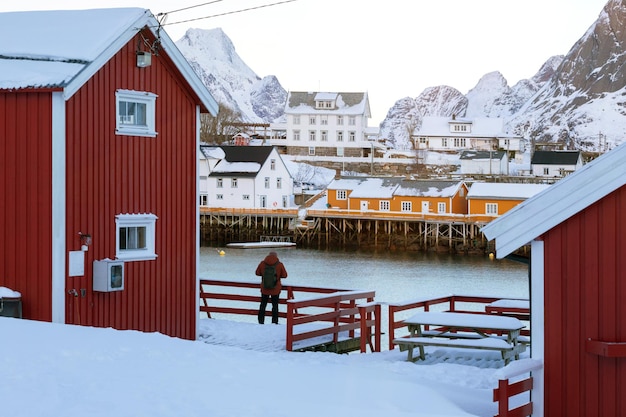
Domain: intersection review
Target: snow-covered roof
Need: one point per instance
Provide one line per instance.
(481, 127)
(559, 202)
(504, 191)
(244, 161)
(212, 152)
(387, 187)
(376, 188)
(299, 102)
(64, 48)
(428, 188)
(481, 155)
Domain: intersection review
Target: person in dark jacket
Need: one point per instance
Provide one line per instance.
(273, 293)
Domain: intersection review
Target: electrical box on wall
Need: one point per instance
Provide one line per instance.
(108, 275)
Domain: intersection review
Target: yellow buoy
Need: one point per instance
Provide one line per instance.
(222, 253)
(491, 255)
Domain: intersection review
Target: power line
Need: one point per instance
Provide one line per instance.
(223, 14)
(190, 7)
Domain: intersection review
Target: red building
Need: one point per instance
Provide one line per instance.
(99, 119)
(577, 233)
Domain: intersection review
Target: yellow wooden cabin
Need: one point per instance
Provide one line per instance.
(398, 196)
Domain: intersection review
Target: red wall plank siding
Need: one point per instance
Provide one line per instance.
(109, 175)
(585, 268)
(25, 213)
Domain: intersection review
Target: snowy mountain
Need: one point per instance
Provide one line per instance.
(578, 100)
(212, 55)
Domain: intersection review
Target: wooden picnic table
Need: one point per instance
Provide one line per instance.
(463, 330)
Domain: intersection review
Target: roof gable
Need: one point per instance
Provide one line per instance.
(346, 103)
(241, 160)
(65, 48)
(504, 191)
(560, 201)
(481, 155)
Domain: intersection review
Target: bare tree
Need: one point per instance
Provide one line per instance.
(219, 129)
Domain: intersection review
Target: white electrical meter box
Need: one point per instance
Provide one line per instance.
(108, 275)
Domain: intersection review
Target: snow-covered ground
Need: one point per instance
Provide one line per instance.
(234, 369)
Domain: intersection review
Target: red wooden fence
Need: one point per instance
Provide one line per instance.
(338, 307)
(506, 390)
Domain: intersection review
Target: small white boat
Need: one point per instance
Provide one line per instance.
(256, 245)
(265, 242)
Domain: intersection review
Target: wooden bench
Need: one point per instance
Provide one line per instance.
(484, 343)
(463, 330)
(467, 335)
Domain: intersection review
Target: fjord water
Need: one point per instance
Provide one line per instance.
(395, 276)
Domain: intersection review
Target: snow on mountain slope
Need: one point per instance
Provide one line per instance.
(212, 55)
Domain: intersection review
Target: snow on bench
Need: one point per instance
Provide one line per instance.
(486, 343)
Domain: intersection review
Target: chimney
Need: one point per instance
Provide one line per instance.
(337, 174)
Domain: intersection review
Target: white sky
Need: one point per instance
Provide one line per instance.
(391, 49)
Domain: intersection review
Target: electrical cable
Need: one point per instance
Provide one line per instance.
(225, 13)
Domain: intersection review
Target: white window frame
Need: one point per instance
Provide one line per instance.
(324, 136)
(220, 183)
(384, 205)
(127, 124)
(324, 119)
(339, 120)
(312, 150)
(296, 120)
(273, 164)
(441, 207)
(312, 135)
(233, 183)
(352, 120)
(219, 197)
(136, 221)
(406, 206)
(204, 200)
(279, 183)
(267, 182)
(351, 136)
(296, 135)
(341, 194)
(312, 120)
(245, 197)
(340, 136)
(491, 209)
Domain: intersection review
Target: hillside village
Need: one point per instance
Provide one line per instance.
(330, 130)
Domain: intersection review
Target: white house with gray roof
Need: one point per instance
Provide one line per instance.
(244, 177)
(458, 134)
(327, 124)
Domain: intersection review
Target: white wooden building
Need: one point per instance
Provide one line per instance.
(484, 163)
(555, 163)
(246, 177)
(457, 134)
(327, 124)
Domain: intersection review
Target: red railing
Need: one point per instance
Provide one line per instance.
(457, 303)
(339, 306)
(506, 390)
(344, 314)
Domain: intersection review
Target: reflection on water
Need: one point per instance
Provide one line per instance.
(395, 276)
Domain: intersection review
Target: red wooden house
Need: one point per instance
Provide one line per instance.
(577, 232)
(99, 120)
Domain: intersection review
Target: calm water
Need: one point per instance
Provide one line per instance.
(395, 276)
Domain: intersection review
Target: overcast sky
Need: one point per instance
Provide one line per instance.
(392, 48)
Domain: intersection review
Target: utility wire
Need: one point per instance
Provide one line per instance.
(190, 7)
(225, 13)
